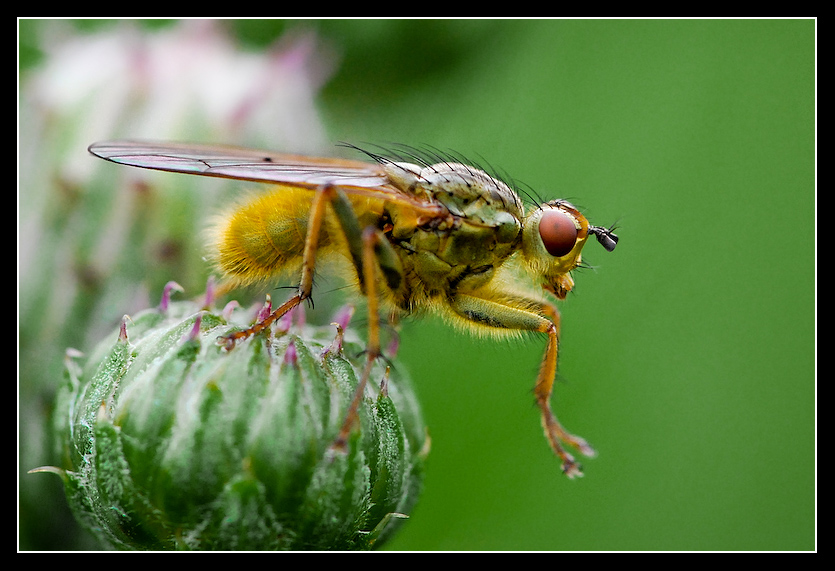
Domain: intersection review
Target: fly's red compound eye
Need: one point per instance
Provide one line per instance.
(558, 233)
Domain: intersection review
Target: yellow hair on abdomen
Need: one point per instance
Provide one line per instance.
(263, 236)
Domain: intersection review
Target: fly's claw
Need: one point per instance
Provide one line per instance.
(571, 468)
(227, 342)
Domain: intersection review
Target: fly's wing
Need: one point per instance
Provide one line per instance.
(240, 163)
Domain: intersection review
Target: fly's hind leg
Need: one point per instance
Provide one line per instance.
(323, 196)
(528, 315)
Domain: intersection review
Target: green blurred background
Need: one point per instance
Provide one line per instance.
(688, 354)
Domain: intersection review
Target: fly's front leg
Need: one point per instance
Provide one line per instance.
(553, 429)
(524, 314)
(323, 196)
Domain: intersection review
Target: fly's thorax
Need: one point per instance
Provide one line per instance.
(477, 202)
(456, 257)
(552, 241)
(465, 191)
(462, 250)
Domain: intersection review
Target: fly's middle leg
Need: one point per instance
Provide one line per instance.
(371, 253)
(375, 250)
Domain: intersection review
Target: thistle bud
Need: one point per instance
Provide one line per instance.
(173, 442)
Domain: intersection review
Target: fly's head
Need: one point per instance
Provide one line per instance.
(552, 241)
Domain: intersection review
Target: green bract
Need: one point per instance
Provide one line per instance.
(172, 442)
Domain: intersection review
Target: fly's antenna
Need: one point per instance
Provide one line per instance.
(605, 236)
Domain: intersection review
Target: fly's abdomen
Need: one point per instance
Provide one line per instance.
(264, 236)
